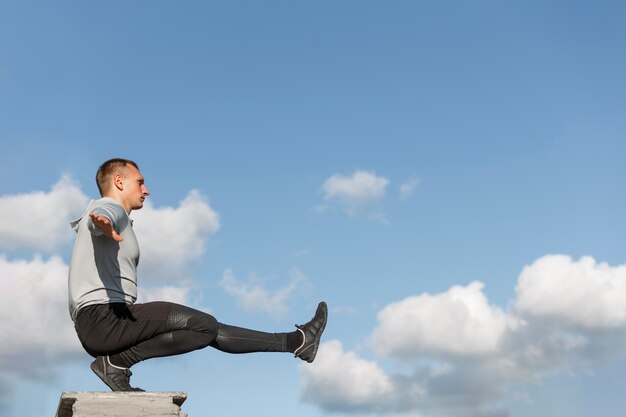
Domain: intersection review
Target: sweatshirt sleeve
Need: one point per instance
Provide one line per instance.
(112, 211)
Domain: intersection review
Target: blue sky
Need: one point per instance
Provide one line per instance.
(448, 176)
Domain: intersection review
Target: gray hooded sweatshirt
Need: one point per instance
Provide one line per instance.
(103, 271)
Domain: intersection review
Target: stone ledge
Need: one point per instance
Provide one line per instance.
(118, 404)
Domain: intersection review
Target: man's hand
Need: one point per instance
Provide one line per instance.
(105, 226)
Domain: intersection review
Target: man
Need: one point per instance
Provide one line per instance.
(119, 333)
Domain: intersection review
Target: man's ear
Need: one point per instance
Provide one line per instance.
(118, 181)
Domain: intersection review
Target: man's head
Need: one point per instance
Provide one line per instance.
(120, 179)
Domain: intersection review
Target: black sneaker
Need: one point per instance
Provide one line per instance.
(117, 378)
(311, 334)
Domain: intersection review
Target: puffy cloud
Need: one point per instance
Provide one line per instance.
(358, 386)
(455, 354)
(340, 380)
(355, 193)
(459, 321)
(361, 186)
(172, 238)
(252, 296)
(40, 220)
(37, 329)
(584, 293)
(453, 358)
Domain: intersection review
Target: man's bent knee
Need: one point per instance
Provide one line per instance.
(186, 318)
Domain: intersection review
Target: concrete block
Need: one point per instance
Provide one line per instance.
(121, 404)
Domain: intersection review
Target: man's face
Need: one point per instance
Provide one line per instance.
(135, 191)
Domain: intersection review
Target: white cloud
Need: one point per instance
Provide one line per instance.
(356, 193)
(252, 296)
(361, 186)
(408, 188)
(172, 238)
(455, 354)
(40, 220)
(37, 329)
(582, 292)
(341, 381)
(459, 321)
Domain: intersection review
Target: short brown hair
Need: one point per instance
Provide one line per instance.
(110, 167)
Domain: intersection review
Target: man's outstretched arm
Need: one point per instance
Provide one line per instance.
(104, 225)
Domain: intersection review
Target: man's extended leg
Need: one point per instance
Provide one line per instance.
(303, 342)
(190, 333)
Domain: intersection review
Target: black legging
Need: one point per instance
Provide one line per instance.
(132, 333)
